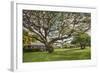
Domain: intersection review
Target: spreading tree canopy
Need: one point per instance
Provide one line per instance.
(82, 39)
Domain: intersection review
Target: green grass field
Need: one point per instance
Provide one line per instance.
(58, 55)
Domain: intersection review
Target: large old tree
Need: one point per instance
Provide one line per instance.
(51, 26)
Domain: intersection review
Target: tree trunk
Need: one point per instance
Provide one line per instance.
(82, 46)
(49, 48)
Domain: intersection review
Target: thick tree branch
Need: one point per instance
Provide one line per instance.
(61, 38)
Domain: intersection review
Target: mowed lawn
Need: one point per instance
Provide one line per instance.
(58, 55)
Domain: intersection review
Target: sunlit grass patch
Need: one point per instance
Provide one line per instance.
(58, 55)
